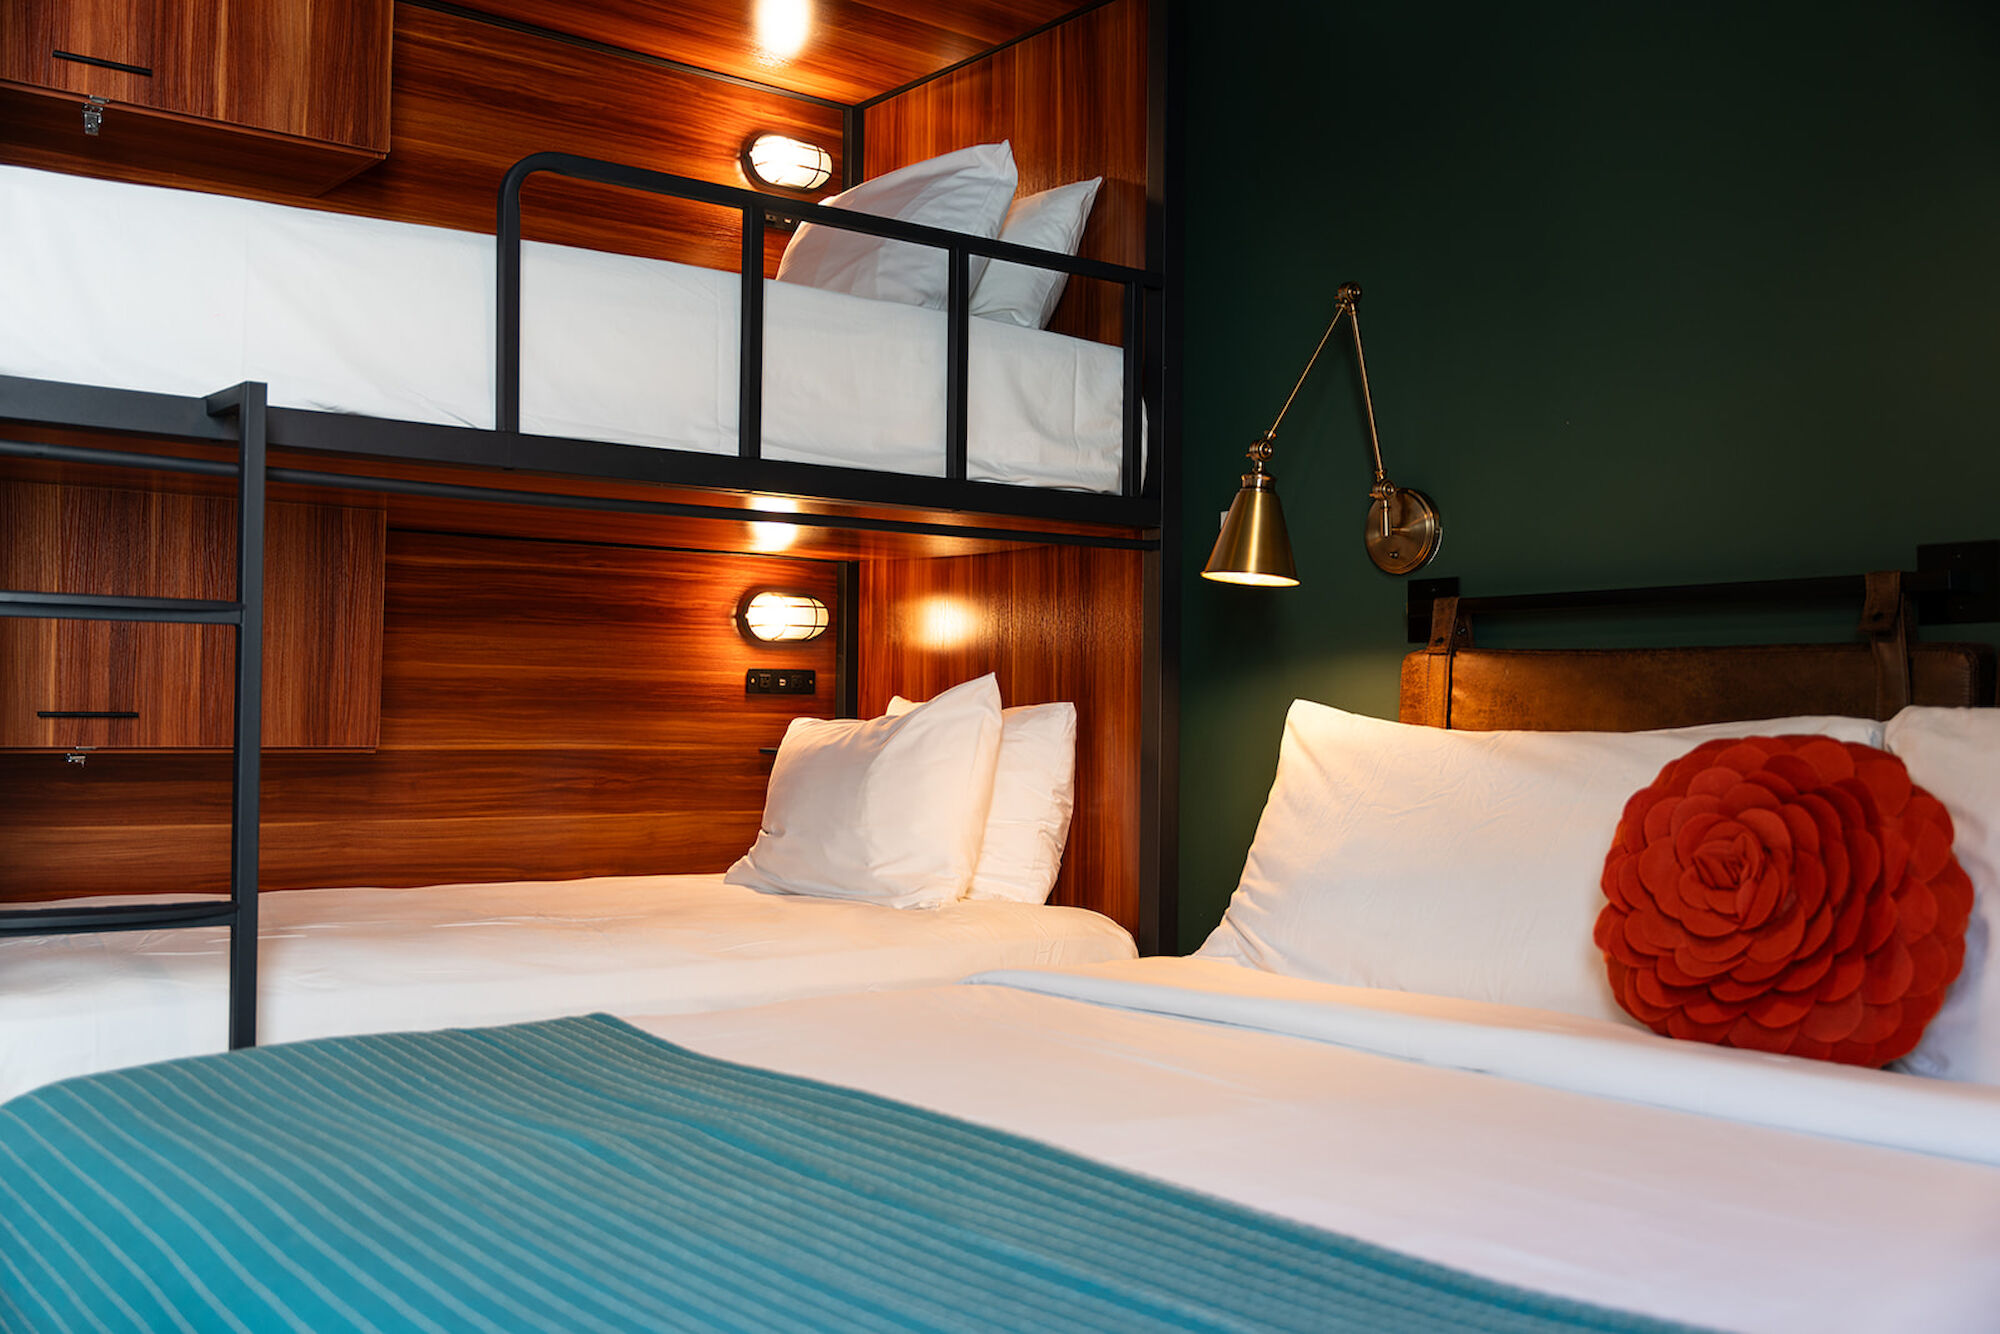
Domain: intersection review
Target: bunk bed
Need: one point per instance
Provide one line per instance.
(961, 517)
(1252, 1138)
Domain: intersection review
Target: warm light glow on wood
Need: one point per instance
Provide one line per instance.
(782, 26)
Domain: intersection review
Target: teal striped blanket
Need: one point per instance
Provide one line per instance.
(582, 1175)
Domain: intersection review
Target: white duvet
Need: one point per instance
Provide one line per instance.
(180, 292)
(339, 961)
(1524, 1146)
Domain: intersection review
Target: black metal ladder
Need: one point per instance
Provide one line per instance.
(247, 404)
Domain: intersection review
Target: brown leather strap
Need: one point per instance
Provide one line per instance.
(1449, 633)
(1885, 619)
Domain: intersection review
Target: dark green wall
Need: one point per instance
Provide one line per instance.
(1654, 293)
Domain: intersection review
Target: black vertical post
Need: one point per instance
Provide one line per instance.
(507, 304)
(243, 816)
(1135, 313)
(750, 354)
(853, 145)
(847, 596)
(1159, 763)
(958, 310)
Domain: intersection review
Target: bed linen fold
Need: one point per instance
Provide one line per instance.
(1554, 1050)
(1671, 1214)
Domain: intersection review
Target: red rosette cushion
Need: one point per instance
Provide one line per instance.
(1788, 894)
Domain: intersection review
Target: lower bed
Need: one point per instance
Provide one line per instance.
(341, 961)
(1157, 1144)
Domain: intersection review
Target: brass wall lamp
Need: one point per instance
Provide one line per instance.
(1403, 526)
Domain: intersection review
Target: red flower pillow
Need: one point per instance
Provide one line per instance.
(1790, 894)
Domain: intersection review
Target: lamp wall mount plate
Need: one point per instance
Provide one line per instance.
(1404, 529)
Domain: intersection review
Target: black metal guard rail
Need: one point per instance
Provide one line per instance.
(754, 208)
(1956, 582)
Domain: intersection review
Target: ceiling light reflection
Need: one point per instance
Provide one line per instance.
(782, 26)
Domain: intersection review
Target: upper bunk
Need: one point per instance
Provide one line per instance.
(658, 365)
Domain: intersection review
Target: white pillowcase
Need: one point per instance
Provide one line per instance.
(966, 191)
(1954, 754)
(1034, 795)
(1452, 863)
(1051, 220)
(886, 809)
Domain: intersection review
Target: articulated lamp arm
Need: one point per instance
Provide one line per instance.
(1403, 529)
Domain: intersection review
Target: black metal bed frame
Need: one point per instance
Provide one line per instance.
(241, 416)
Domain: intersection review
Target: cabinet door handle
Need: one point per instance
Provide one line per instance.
(85, 713)
(102, 63)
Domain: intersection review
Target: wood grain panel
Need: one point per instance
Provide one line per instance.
(471, 99)
(41, 128)
(549, 710)
(1055, 624)
(322, 633)
(1073, 102)
(852, 49)
(318, 69)
(122, 31)
(279, 96)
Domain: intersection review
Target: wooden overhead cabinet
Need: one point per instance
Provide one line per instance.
(282, 96)
(126, 685)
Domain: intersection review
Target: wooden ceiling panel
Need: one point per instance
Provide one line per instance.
(853, 49)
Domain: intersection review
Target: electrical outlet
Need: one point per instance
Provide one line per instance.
(766, 681)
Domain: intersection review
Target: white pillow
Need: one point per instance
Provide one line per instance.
(1452, 863)
(1034, 794)
(887, 809)
(1051, 220)
(1954, 754)
(966, 191)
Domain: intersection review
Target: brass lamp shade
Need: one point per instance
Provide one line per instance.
(1254, 547)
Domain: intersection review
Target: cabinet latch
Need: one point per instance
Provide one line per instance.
(93, 115)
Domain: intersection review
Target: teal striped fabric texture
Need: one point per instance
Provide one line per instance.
(582, 1175)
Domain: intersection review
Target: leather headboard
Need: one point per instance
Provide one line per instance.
(1451, 684)
(1626, 690)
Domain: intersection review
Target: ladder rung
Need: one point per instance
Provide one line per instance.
(91, 607)
(112, 917)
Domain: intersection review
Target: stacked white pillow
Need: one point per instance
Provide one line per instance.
(1954, 754)
(929, 803)
(886, 809)
(1452, 863)
(1051, 220)
(1034, 795)
(966, 191)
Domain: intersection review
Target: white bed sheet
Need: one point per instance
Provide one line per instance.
(181, 292)
(1662, 1212)
(339, 961)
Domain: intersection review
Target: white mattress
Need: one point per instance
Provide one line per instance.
(179, 292)
(1495, 1157)
(337, 961)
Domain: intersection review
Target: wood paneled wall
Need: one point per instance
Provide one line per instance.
(850, 51)
(1073, 102)
(1055, 623)
(469, 99)
(322, 634)
(549, 710)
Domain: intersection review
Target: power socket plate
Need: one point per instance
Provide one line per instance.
(780, 681)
